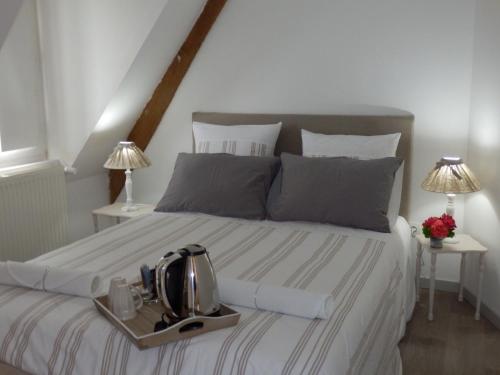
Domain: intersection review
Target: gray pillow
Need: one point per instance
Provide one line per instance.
(342, 191)
(220, 184)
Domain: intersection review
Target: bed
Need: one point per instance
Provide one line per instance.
(369, 274)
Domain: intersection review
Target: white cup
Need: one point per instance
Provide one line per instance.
(115, 281)
(125, 300)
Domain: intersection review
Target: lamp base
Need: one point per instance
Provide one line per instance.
(129, 203)
(129, 207)
(451, 240)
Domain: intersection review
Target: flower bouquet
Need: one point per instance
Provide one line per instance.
(438, 228)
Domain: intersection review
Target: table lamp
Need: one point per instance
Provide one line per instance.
(451, 176)
(128, 156)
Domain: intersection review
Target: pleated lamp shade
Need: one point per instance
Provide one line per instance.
(451, 176)
(127, 155)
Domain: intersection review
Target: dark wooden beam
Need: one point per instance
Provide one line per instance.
(153, 112)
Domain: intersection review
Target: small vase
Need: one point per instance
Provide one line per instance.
(436, 243)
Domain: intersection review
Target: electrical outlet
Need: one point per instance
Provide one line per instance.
(414, 224)
(415, 228)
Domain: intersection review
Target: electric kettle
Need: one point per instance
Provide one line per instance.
(186, 283)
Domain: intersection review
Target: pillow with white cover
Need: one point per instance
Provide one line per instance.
(352, 146)
(364, 147)
(241, 140)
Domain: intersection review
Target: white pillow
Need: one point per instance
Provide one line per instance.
(395, 201)
(242, 140)
(353, 146)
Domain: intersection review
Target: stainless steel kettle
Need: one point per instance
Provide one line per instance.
(186, 283)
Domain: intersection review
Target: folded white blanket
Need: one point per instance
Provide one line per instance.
(57, 280)
(287, 301)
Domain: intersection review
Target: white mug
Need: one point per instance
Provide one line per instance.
(125, 301)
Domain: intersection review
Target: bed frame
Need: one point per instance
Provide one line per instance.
(290, 141)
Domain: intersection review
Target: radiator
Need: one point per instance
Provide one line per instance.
(33, 210)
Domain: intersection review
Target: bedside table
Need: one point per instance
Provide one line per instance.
(115, 211)
(466, 245)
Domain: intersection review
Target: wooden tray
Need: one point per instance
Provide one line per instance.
(141, 329)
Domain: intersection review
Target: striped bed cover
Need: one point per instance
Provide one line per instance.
(369, 275)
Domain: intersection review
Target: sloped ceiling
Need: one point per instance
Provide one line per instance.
(8, 13)
(22, 116)
(153, 58)
(88, 46)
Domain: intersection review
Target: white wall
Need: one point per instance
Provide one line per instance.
(147, 69)
(22, 117)
(124, 106)
(87, 48)
(286, 56)
(483, 208)
(295, 56)
(84, 195)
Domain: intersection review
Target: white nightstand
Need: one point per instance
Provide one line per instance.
(466, 245)
(115, 211)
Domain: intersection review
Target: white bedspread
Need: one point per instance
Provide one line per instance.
(369, 275)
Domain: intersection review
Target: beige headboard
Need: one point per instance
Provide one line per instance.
(289, 139)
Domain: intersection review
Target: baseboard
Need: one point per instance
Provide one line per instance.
(452, 286)
(485, 310)
(443, 285)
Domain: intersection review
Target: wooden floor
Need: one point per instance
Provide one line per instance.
(453, 344)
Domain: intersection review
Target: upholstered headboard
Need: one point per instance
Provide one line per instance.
(289, 139)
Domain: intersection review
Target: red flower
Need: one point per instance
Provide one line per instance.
(427, 223)
(449, 222)
(439, 229)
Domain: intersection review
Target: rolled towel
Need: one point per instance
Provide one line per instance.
(57, 280)
(287, 301)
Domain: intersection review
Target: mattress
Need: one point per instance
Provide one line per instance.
(369, 275)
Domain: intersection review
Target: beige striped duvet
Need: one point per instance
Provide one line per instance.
(367, 273)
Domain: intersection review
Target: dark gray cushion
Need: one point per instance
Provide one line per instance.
(341, 191)
(220, 184)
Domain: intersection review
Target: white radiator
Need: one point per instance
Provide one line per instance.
(33, 210)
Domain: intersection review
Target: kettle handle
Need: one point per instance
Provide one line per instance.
(161, 269)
